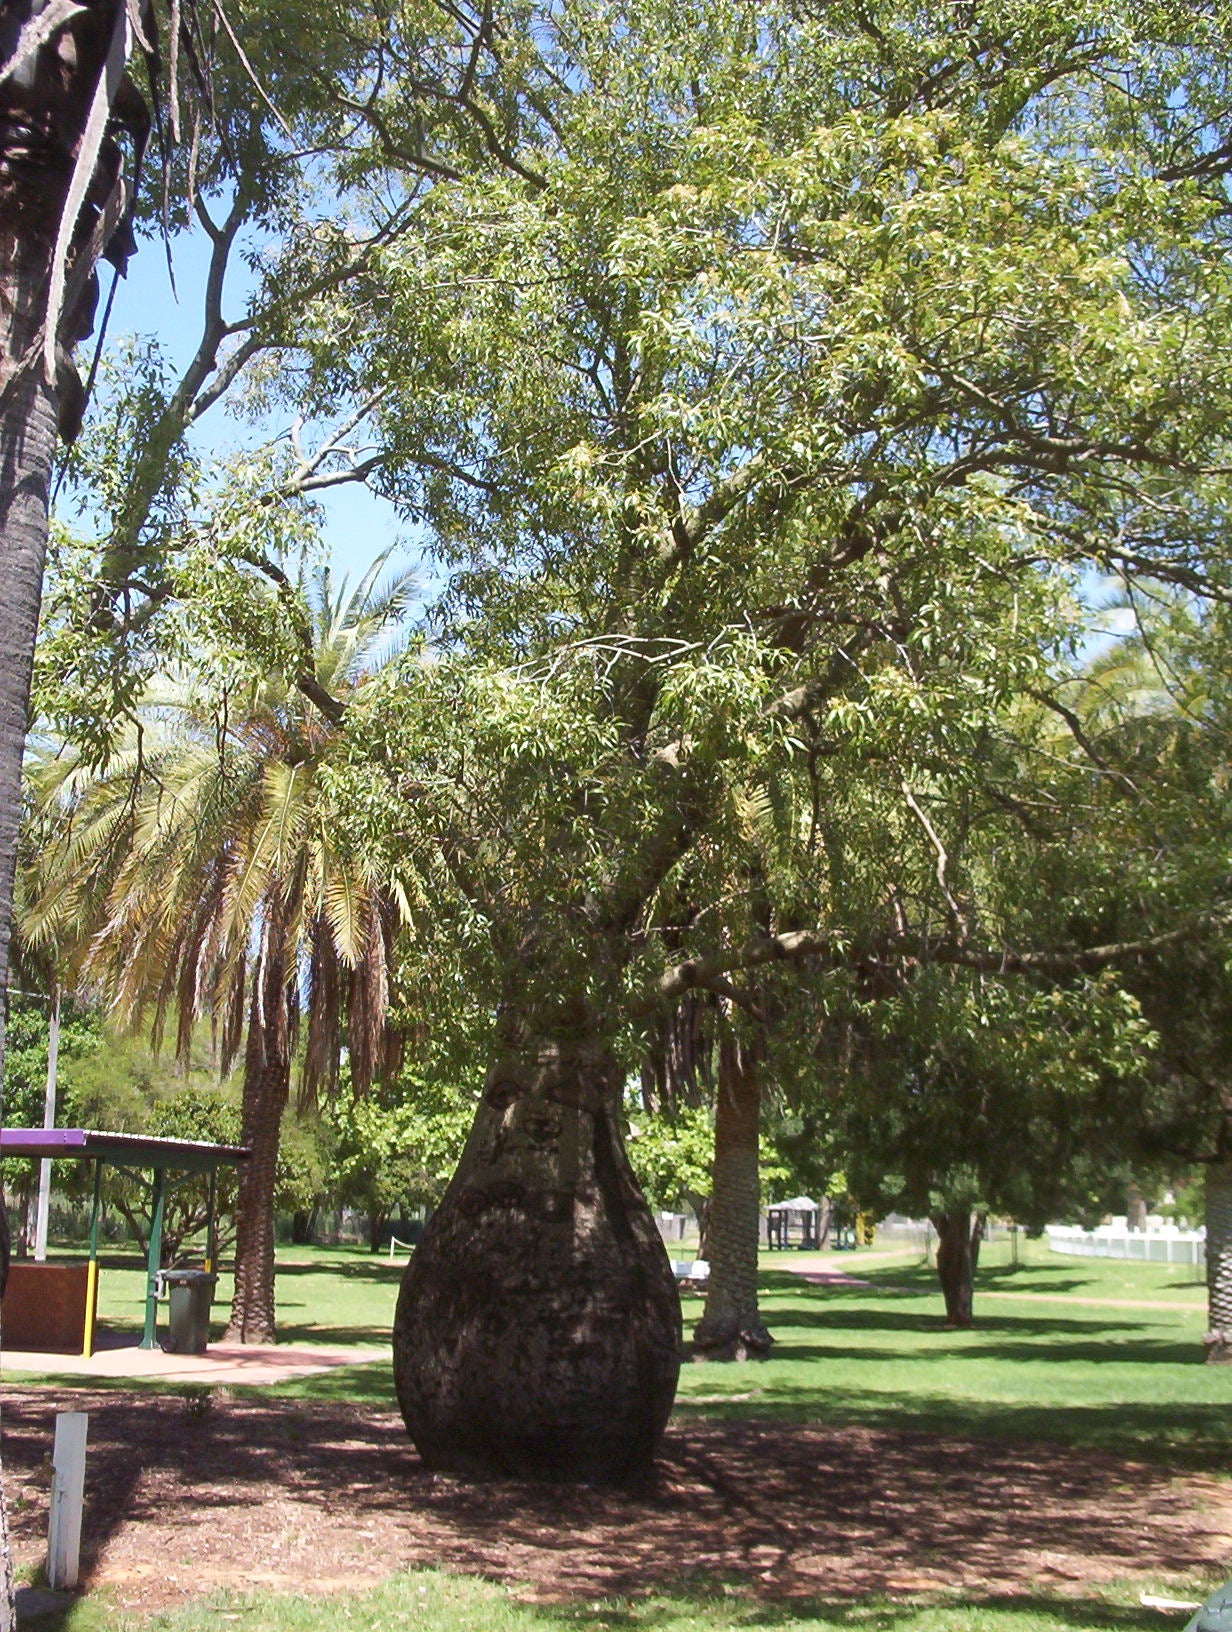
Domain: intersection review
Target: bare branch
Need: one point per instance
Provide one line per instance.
(306, 679)
(834, 952)
(1084, 742)
(692, 528)
(943, 859)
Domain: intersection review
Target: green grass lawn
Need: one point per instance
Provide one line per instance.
(339, 1295)
(432, 1602)
(1085, 1352)
(1059, 1352)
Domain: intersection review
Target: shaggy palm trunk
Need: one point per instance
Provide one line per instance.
(537, 1332)
(27, 441)
(42, 113)
(731, 1327)
(1219, 1261)
(267, 1080)
(959, 1233)
(29, 213)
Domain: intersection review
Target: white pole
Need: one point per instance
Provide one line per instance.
(67, 1488)
(49, 1121)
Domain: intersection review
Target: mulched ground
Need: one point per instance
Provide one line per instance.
(296, 1496)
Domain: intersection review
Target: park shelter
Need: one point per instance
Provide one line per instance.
(799, 1214)
(60, 1301)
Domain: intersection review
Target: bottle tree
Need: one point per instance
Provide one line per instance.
(750, 422)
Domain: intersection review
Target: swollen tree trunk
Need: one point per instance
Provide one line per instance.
(731, 1327)
(267, 1081)
(537, 1333)
(1219, 1261)
(959, 1233)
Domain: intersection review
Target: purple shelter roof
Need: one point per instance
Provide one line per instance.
(120, 1149)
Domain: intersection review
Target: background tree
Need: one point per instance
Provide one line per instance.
(672, 1153)
(394, 1147)
(1153, 710)
(202, 873)
(966, 1096)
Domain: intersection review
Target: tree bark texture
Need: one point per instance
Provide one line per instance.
(731, 1327)
(267, 1081)
(1219, 1261)
(959, 1233)
(43, 109)
(27, 440)
(28, 411)
(537, 1332)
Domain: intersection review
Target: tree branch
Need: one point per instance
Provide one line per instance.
(306, 679)
(835, 952)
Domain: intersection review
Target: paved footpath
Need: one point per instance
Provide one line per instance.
(222, 1363)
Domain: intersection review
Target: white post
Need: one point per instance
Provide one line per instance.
(49, 1121)
(67, 1488)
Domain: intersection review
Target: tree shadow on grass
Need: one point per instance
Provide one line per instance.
(921, 1279)
(45, 1612)
(360, 1269)
(1195, 1438)
(338, 1337)
(371, 1384)
(856, 1317)
(1064, 1351)
(872, 1615)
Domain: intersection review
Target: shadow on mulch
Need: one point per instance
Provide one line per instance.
(185, 1495)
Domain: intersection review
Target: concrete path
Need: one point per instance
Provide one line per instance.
(247, 1363)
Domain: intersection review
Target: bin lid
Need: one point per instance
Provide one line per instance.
(1216, 1613)
(186, 1277)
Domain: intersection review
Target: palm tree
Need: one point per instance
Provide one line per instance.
(53, 63)
(201, 874)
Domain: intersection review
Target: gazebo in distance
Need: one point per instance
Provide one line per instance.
(801, 1215)
(52, 1306)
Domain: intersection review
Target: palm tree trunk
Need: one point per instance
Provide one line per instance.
(731, 1327)
(27, 442)
(1219, 1261)
(42, 114)
(537, 1332)
(267, 1081)
(959, 1233)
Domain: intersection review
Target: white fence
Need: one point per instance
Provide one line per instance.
(917, 1233)
(1166, 1245)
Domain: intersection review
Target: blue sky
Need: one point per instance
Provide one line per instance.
(358, 524)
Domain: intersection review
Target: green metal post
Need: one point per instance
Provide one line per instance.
(211, 1223)
(149, 1339)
